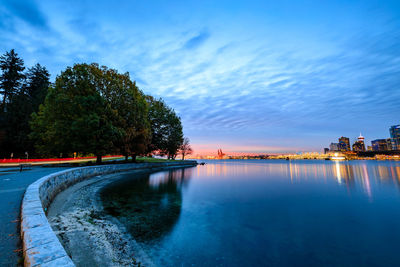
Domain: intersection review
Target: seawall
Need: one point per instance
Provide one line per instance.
(41, 246)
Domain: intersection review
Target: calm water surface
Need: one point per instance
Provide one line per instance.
(264, 213)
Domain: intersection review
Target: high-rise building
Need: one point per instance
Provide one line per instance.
(359, 144)
(380, 145)
(344, 144)
(389, 143)
(334, 147)
(326, 150)
(395, 136)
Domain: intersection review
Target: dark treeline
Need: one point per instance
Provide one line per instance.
(89, 110)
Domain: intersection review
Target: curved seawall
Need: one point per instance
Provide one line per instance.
(40, 244)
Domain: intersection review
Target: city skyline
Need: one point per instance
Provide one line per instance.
(246, 77)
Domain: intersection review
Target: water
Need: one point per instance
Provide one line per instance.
(264, 213)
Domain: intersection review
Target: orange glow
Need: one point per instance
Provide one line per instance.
(239, 150)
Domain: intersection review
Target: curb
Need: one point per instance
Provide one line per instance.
(41, 246)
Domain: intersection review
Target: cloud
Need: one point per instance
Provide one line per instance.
(197, 40)
(28, 12)
(273, 87)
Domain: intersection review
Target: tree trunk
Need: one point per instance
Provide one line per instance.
(4, 100)
(183, 156)
(134, 158)
(98, 159)
(126, 158)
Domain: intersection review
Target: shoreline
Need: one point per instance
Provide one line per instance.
(78, 219)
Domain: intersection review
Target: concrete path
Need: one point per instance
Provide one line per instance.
(12, 187)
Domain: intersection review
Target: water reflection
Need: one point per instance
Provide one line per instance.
(352, 174)
(265, 213)
(147, 204)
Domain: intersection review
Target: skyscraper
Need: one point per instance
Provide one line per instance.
(395, 136)
(359, 144)
(344, 143)
(334, 147)
(379, 145)
(389, 143)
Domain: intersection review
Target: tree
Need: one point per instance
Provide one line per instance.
(166, 128)
(175, 134)
(75, 116)
(36, 85)
(186, 149)
(12, 115)
(12, 68)
(158, 123)
(124, 96)
(21, 106)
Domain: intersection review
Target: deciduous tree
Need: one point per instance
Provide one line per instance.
(75, 116)
(125, 97)
(166, 128)
(185, 148)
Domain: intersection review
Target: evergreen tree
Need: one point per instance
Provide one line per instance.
(11, 80)
(12, 76)
(22, 105)
(36, 85)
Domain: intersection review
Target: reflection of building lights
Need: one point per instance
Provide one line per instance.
(338, 175)
(366, 181)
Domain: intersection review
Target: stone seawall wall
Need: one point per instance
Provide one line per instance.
(41, 246)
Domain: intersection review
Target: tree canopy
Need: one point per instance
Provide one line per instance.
(12, 76)
(89, 110)
(166, 128)
(22, 94)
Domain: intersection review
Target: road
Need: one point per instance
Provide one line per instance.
(12, 187)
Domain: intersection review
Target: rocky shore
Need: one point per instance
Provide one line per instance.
(88, 234)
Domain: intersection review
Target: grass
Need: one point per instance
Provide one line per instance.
(146, 159)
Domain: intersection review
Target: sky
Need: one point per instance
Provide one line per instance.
(244, 76)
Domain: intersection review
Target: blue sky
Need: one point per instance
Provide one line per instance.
(245, 76)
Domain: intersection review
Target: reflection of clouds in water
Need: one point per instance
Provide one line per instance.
(350, 174)
(179, 177)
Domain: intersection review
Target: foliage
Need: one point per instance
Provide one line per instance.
(89, 110)
(22, 94)
(125, 97)
(75, 117)
(166, 128)
(36, 85)
(12, 68)
(185, 148)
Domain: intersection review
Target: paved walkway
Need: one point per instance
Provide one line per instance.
(12, 187)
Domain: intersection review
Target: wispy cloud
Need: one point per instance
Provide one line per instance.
(282, 82)
(27, 11)
(197, 40)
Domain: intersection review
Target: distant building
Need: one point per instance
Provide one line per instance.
(344, 144)
(395, 136)
(380, 145)
(326, 150)
(334, 147)
(389, 144)
(220, 154)
(369, 148)
(359, 145)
